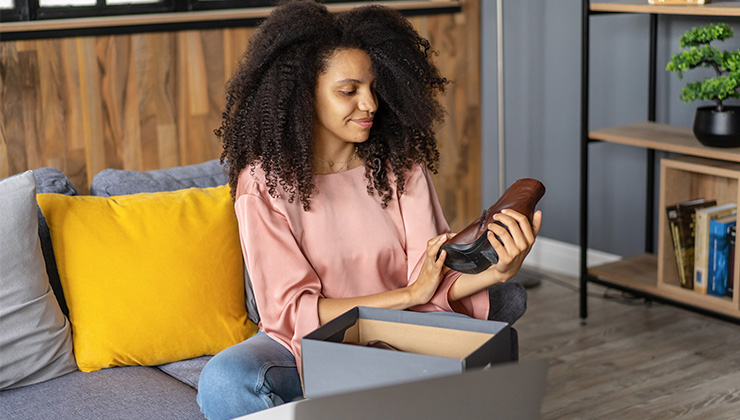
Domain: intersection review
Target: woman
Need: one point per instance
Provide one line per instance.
(328, 131)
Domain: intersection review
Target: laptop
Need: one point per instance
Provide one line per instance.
(512, 391)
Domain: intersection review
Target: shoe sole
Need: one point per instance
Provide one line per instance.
(471, 258)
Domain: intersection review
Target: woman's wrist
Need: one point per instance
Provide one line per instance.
(469, 284)
(400, 299)
(411, 295)
(417, 295)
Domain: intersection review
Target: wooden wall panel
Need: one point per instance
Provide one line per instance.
(152, 100)
(456, 38)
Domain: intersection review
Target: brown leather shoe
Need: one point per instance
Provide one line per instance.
(469, 251)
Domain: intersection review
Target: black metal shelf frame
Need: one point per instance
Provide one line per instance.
(650, 207)
(585, 141)
(650, 297)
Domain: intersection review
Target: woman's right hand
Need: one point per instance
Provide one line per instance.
(431, 273)
(417, 293)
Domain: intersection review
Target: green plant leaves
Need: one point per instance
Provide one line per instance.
(704, 34)
(731, 61)
(695, 57)
(726, 64)
(721, 87)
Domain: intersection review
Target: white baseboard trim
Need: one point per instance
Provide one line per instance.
(562, 257)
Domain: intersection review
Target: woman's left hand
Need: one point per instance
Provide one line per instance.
(513, 244)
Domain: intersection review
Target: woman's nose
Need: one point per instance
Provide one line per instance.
(368, 103)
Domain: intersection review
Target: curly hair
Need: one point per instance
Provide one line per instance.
(270, 115)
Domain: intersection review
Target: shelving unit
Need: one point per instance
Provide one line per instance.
(699, 171)
(716, 8)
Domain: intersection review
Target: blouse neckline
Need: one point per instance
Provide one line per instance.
(342, 172)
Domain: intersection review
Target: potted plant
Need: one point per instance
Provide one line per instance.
(718, 125)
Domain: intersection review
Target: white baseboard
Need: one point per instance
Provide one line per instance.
(562, 257)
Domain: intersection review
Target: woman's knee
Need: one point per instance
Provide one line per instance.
(248, 377)
(228, 385)
(508, 302)
(223, 370)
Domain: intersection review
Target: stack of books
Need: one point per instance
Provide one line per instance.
(703, 235)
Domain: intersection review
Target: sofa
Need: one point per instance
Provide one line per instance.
(85, 279)
(39, 376)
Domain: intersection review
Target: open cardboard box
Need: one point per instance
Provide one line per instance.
(431, 345)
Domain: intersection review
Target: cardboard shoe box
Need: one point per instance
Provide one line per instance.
(431, 345)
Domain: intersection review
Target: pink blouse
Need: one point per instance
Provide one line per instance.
(346, 245)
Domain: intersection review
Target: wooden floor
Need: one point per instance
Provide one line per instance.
(630, 361)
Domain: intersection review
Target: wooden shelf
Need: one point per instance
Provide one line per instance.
(716, 8)
(640, 273)
(201, 16)
(668, 138)
(723, 305)
(681, 179)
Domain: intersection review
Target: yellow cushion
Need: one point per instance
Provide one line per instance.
(149, 278)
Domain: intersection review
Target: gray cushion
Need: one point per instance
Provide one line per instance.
(35, 338)
(252, 311)
(50, 180)
(112, 182)
(128, 393)
(186, 371)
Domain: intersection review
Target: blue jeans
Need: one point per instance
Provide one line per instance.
(251, 376)
(261, 373)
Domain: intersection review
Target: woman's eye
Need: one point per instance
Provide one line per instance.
(348, 92)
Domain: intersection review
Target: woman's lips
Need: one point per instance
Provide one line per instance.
(364, 122)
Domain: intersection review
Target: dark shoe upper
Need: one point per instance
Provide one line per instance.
(522, 196)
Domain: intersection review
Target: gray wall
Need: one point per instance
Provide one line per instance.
(542, 44)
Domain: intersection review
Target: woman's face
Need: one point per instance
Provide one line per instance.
(345, 98)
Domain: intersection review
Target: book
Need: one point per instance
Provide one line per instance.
(719, 244)
(672, 212)
(680, 2)
(731, 263)
(681, 219)
(701, 241)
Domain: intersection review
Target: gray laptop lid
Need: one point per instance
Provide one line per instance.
(508, 391)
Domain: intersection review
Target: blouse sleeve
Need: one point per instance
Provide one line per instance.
(286, 287)
(423, 219)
